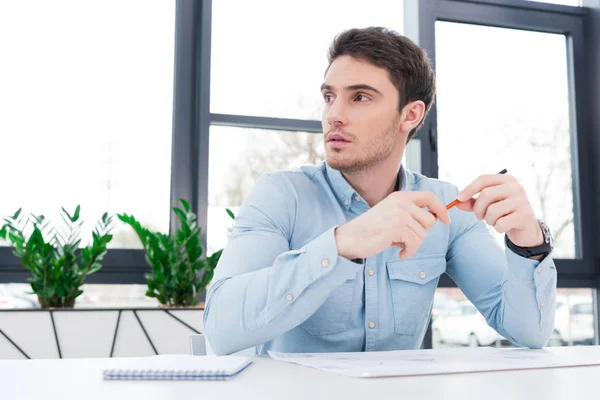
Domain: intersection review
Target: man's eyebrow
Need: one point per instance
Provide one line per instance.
(363, 86)
(360, 86)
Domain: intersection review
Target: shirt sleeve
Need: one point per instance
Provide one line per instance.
(516, 295)
(262, 288)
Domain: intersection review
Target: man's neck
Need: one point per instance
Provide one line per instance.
(376, 183)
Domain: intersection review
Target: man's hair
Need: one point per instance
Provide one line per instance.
(408, 64)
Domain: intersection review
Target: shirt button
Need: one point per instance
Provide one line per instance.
(289, 297)
(539, 271)
(325, 263)
(422, 275)
(357, 198)
(345, 202)
(543, 304)
(371, 324)
(371, 272)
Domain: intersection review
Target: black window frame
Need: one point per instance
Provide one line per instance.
(540, 17)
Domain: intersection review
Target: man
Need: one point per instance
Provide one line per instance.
(346, 256)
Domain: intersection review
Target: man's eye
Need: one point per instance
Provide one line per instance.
(361, 97)
(327, 98)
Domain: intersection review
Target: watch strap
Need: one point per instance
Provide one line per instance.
(527, 252)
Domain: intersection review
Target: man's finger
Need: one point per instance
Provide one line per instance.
(481, 183)
(466, 205)
(428, 199)
(489, 196)
(408, 252)
(417, 227)
(411, 243)
(499, 210)
(423, 217)
(508, 222)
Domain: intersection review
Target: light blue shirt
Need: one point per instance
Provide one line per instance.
(281, 285)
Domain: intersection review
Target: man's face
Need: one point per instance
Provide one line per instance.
(360, 115)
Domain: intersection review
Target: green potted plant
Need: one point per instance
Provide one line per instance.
(57, 264)
(178, 270)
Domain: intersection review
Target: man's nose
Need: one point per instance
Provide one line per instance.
(336, 114)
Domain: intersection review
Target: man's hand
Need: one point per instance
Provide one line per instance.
(503, 204)
(399, 220)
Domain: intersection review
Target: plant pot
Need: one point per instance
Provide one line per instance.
(70, 304)
(97, 332)
(200, 305)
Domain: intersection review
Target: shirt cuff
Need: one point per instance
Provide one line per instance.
(525, 269)
(324, 259)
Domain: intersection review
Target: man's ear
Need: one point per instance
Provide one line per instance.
(412, 115)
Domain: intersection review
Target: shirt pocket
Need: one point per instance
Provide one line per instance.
(334, 314)
(412, 285)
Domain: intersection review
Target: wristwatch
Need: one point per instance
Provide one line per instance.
(542, 250)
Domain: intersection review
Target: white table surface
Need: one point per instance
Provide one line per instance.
(268, 379)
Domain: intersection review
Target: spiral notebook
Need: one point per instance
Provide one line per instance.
(178, 367)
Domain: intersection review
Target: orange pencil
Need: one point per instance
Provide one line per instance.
(450, 205)
(455, 202)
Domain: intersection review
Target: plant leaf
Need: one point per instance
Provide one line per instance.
(76, 215)
(186, 205)
(230, 213)
(16, 215)
(67, 213)
(180, 214)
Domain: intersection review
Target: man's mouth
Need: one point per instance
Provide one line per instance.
(336, 137)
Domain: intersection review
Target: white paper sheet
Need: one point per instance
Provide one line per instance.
(442, 361)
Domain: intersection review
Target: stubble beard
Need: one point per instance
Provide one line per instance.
(375, 152)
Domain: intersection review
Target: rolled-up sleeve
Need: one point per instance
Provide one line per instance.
(262, 288)
(516, 295)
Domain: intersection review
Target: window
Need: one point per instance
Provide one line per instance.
(503, 102)
(456, 322)
(86, 106)
(19, 295)
(238, 157)
(269, 56)
(574, 3)
(583, 309)
(273, 67)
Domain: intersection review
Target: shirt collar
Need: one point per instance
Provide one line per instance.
(346, 194)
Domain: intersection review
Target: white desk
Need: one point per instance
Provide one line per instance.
(268, 379)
